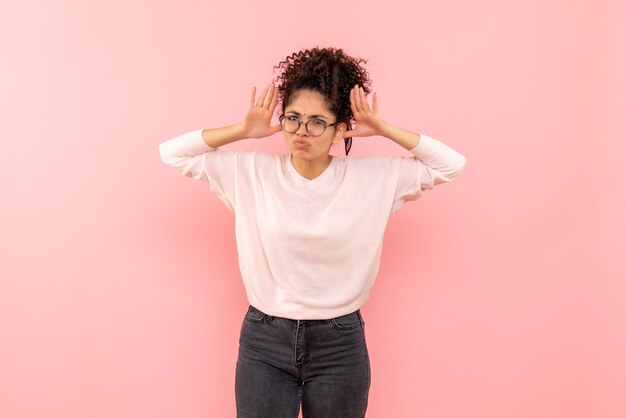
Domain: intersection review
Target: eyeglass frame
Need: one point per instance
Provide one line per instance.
(306, 128)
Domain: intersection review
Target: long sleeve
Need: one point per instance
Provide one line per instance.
(432, 163)
(442, 162)
(184, 153)
(190, 155)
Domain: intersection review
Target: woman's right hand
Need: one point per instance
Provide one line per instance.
(256, 123)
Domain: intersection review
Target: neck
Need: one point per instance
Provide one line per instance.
(311, 169)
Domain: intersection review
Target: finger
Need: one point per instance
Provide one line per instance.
(274, 100)
(271, 93)
(375, 103)
(366, 106)
(362, 102)
(272, 96)
(268, 96)
(350, 134)
(357, 99)
(259, 103)
(352, 101)
(252, 96)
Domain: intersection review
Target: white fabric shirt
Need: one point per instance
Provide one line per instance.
(310, 249)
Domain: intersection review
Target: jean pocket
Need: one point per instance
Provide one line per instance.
(254, 315)
(347, 322)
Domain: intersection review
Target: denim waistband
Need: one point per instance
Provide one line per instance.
(308, 321)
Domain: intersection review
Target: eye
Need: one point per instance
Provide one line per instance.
(291, 117)
(319, 122)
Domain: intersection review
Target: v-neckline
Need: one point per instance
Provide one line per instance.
(305, 180)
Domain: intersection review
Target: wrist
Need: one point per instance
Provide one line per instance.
(239, 131)
(386, 129)
(402, 137)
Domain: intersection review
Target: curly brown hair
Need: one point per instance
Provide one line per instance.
(328, 71)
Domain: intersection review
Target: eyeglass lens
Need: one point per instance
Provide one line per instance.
(314, 127)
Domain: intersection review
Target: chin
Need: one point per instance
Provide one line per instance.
(303, 155)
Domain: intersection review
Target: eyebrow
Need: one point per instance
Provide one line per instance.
(312, 116)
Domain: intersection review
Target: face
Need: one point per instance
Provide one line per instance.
(306, 105)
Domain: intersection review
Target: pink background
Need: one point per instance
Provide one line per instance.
(501, 294)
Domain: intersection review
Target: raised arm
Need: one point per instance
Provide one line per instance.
(184, 152)
(195, 154)
(442, 161)
(255, 124)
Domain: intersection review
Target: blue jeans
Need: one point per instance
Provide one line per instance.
(322, 363)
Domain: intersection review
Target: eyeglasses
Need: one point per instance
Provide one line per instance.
(314, 127)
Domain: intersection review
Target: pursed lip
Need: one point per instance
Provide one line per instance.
(301, 143)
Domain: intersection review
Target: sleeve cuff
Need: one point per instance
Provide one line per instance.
(434, 152)
(185, 145)
(427, 148)
(194, 143)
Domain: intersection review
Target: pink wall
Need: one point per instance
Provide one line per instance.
(499, 295)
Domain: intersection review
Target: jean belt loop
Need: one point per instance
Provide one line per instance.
(358, 312)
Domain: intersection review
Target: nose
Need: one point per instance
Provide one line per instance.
(302, 129)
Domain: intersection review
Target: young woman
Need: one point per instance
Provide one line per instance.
(309, 229)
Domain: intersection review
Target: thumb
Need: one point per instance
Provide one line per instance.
(352, 133)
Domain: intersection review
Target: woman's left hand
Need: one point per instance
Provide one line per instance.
(368, 123)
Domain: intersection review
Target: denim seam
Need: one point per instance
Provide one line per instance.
(259, 318)
(295, 345)
(299, 401)
(253, 319)
(344, 327)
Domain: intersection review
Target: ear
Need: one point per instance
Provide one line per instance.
(341, 128)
